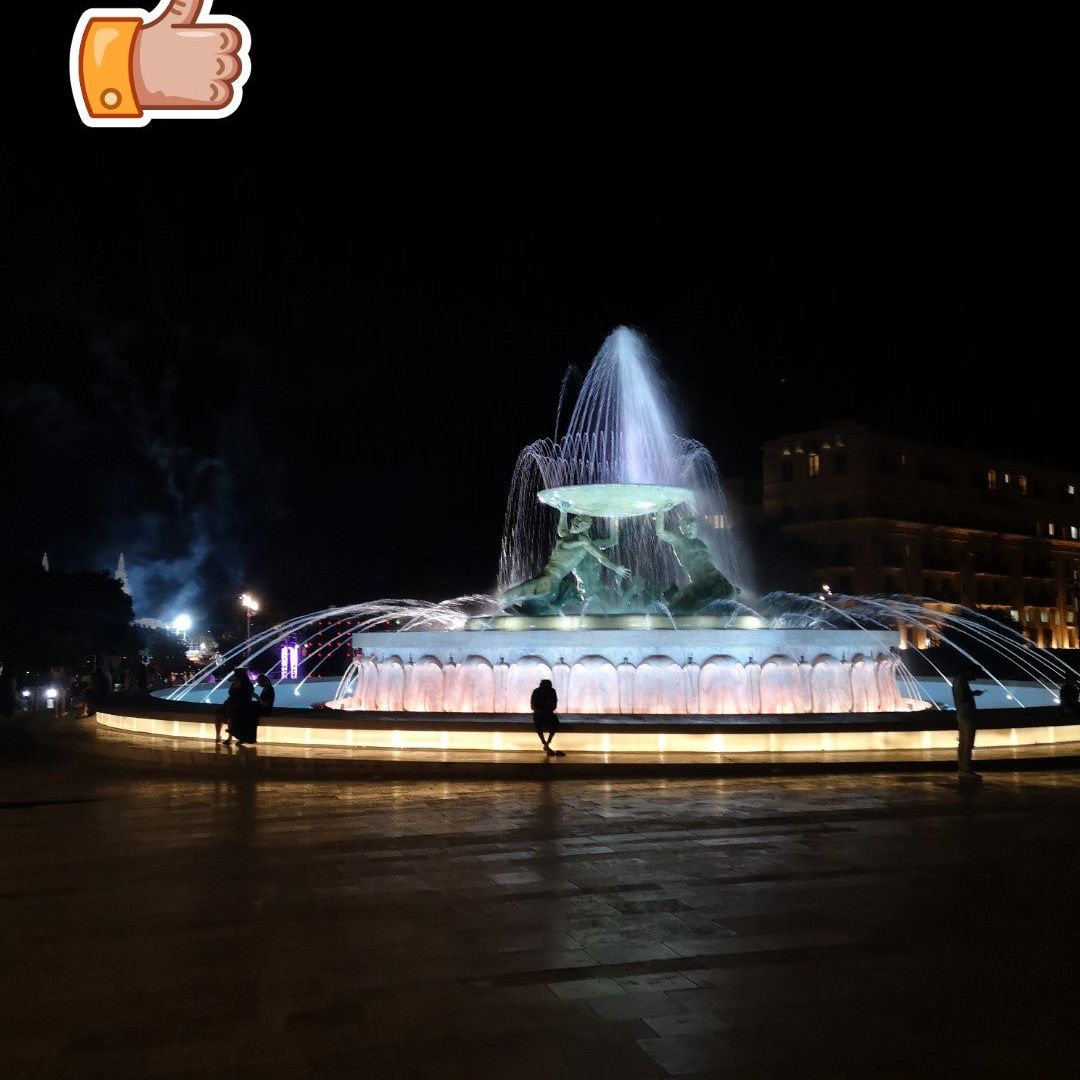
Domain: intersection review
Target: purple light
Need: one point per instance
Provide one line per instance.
(290, 660)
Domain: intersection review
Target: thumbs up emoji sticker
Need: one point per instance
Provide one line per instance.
(129, 67)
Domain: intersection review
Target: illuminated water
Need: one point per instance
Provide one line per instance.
(621, 431)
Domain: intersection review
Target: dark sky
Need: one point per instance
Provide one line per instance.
(297, 350)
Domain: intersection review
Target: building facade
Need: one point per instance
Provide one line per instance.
(885, 514)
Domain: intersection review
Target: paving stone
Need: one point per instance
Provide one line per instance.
(748, 928)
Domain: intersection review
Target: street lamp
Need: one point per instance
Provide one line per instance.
(250, 606)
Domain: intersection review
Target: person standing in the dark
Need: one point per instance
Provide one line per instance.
(7, 693)
(544, 701)
(1069, 696)
(964, 699)
(97, 690)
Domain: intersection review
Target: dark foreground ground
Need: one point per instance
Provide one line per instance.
(863, 926)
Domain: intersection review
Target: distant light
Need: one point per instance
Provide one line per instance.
(26, 693)
(248, 601)
(182, 624)
(51, 693)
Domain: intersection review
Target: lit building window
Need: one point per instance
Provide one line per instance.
(1074, 532)
(1021, 483)
(813, 464)
(991, 480)
(1051, 529)
(1044, 616)
(1005, 477)
(1014, 615)
(1070, 489)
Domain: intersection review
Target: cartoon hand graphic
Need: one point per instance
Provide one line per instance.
(129, 66)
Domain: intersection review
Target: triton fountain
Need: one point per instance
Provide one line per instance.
(616, 584)
(621, 581)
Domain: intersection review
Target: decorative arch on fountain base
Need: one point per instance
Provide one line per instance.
(646, 673)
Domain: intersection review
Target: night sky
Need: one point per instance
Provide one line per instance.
(297, 350)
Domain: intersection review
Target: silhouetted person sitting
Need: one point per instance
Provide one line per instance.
(266, 695)
(1069, 696)
(964, 699)
(242, 714)
(543, 702)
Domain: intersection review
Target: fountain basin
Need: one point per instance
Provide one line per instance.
(615, 500)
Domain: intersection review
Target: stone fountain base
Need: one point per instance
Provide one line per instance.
(646, 672)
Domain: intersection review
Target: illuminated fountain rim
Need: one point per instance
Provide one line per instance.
(892, 737)
(615, 500)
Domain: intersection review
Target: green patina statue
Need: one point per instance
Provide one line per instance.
(706, 582)
(591, 593)
(575, 554)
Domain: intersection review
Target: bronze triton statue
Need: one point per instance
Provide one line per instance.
(706, 582)
(545, 593)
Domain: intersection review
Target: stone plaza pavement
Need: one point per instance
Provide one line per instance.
(862, 926)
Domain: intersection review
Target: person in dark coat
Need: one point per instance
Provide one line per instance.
(964, 699)
(97, 690)
(1069, 697)
(266, 695)
(543, 702)
(7, 693)
(240, 710)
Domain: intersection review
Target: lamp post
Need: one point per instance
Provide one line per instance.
(250, 606)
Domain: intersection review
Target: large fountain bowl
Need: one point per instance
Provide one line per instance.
(615, 500)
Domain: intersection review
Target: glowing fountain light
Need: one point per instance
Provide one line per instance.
(290, 660)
